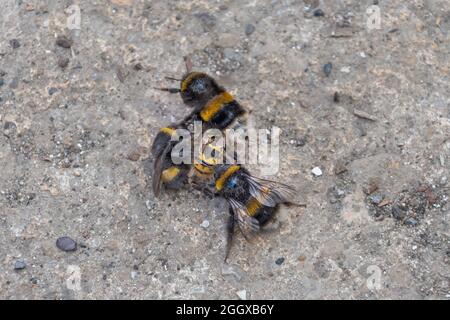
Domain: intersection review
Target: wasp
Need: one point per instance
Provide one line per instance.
(252, 201)
(211, 103)
(165, 171)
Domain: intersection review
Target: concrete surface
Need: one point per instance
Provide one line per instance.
(74, 149)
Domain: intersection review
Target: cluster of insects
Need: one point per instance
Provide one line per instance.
(252, 201)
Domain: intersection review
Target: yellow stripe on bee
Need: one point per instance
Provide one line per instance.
(170, 174)
(203, 169)
(224, 177)
(253, 206)
(186, 82)
(215, 105)
(168, 131)
(212, 161)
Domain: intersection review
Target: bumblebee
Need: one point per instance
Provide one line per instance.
(253, 201)
(202, 172)
(211, 103)
(165, 172)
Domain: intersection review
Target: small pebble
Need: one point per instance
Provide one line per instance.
(336, 97)
(249, 29)
(150, 204)
(339, 193)
(242, 294)
(14, 43)
(64, 42)
(345, 69)
(63, 62)
(317, 171)
(205, 224)
(412, 222)
(66, 244)
(327, 69)
(398, 213)
(319, 13)
(51, 91)
(279, 261)
(376, 198)
(19, 265)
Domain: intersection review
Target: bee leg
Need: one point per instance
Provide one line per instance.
(202, 189)
(271, 226)
(230, 232)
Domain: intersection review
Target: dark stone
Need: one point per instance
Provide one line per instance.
(9, 125)
(336, 97)
(14, 43)
(19, 265)
(2, 82)
(279, 261)
(412, 222)
(319, 13)
(66, 244)
(52, 90)
(398, 212)
(327, 69)
(249, 29)
(64, 42)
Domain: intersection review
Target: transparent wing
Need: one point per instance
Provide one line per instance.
(270, 193)
(246, 223)
(158, 169)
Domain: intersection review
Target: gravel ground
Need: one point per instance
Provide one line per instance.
(369, 107)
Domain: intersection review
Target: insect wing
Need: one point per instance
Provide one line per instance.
(158, 169)
(270, 193)
(246, 223)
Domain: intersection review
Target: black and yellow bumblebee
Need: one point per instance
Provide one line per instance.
(165, 171)
(211, 103)
(253, 201)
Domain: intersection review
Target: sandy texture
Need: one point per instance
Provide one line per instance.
(77, 120)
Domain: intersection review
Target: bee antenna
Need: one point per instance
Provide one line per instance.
(170, 90)
(188, 63)
(171, 78)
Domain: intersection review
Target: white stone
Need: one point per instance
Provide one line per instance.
(317, 171)
(242, 294)
(205, 224)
